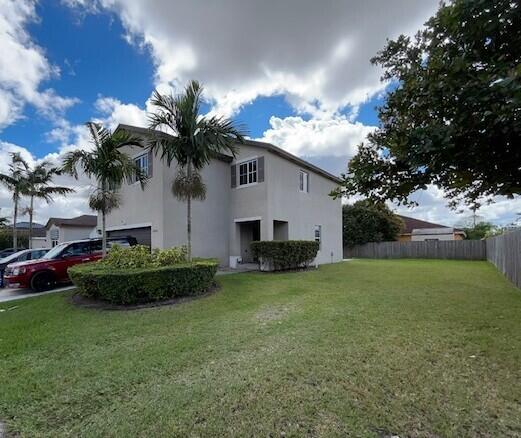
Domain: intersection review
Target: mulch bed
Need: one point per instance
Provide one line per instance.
(91, 303)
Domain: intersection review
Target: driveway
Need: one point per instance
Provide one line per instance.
(7, 294)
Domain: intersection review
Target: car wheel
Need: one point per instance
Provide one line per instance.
(42, 282)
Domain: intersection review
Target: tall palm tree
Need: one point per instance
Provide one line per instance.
(38, 186)
(109, 166)
(195, 141)
(16, 182)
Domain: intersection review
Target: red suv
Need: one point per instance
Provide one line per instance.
(51, 270)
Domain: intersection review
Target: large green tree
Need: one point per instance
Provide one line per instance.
(194, 141)
(367, 221)
(16, 182)
(453, 115)
(38, 186)
(108, 165)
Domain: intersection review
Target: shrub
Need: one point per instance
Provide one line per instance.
(139, 256)
(287, 254)
(142, 285)
(6, 238)
(171, 256)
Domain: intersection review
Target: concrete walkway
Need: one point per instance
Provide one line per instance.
(7, 295)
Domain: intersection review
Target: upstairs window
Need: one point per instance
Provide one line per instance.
(248, 172)
(143, 163)
(304, 181)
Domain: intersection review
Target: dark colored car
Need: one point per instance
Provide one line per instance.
(8, 251)
(20, 256)
(51, 269)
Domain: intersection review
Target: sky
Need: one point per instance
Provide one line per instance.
(295, 73)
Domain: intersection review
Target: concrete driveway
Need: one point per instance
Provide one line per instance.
(7, 294)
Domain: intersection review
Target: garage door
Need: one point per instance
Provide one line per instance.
(142, 235)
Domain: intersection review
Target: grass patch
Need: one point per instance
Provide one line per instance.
(364, 348)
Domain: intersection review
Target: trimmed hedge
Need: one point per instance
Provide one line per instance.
(143, 285)
(279, 255)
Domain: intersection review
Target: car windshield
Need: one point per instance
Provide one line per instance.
(56, 251)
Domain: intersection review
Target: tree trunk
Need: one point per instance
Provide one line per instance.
(103, 235)
(31, 223)
(189, 216)
(15, 218)
(103, 221)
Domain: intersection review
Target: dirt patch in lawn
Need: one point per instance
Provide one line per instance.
(90, 303)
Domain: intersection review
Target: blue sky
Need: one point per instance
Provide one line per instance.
(95, 60)
(296, 73)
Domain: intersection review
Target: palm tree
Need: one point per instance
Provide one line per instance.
(109, 166)
(38, 186)
(16, 182)
(195, 141)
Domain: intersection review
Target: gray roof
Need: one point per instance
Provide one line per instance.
(85, 220)
(267, 146)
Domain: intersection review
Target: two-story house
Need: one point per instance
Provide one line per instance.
(264, 193)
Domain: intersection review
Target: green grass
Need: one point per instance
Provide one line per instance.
(364, 348)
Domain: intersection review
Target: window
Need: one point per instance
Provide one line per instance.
(142, 164)
(77, 249)
(248, 172)
(303, 181)
(54, 234)
(318, 235)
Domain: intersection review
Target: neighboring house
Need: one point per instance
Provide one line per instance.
(417, 230)
(265, 193)
(38, 235)
(59, 230)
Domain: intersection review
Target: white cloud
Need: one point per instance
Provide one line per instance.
(433, 208)
(63, 206)
(115, 112)
(315, 53)
(23, 67)
(335, 136)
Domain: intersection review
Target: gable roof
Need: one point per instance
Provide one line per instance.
(411, 224)
(267, 146)
(85, 220)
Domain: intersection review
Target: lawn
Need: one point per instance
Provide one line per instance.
(362, 348)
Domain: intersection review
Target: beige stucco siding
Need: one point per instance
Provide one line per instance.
(141, 207)
(210, 218)
(301, 210)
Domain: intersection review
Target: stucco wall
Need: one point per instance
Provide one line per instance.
(210, 218)
(141, 207)
(301, 210)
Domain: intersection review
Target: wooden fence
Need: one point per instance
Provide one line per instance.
(505, 252)
(440, 249)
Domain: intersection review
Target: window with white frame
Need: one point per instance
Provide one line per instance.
(248, 172)
(318, 235)
(303, 181)
(142, 164)
(54, 234)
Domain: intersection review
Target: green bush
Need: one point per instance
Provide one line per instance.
(280, 255)
(171, 256)
(142, 285)
(139, 256)
(6, 238)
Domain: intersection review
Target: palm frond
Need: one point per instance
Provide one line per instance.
(104, 201)
(184, 186)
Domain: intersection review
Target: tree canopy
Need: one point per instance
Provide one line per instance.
(366, 221)
(453, 115)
